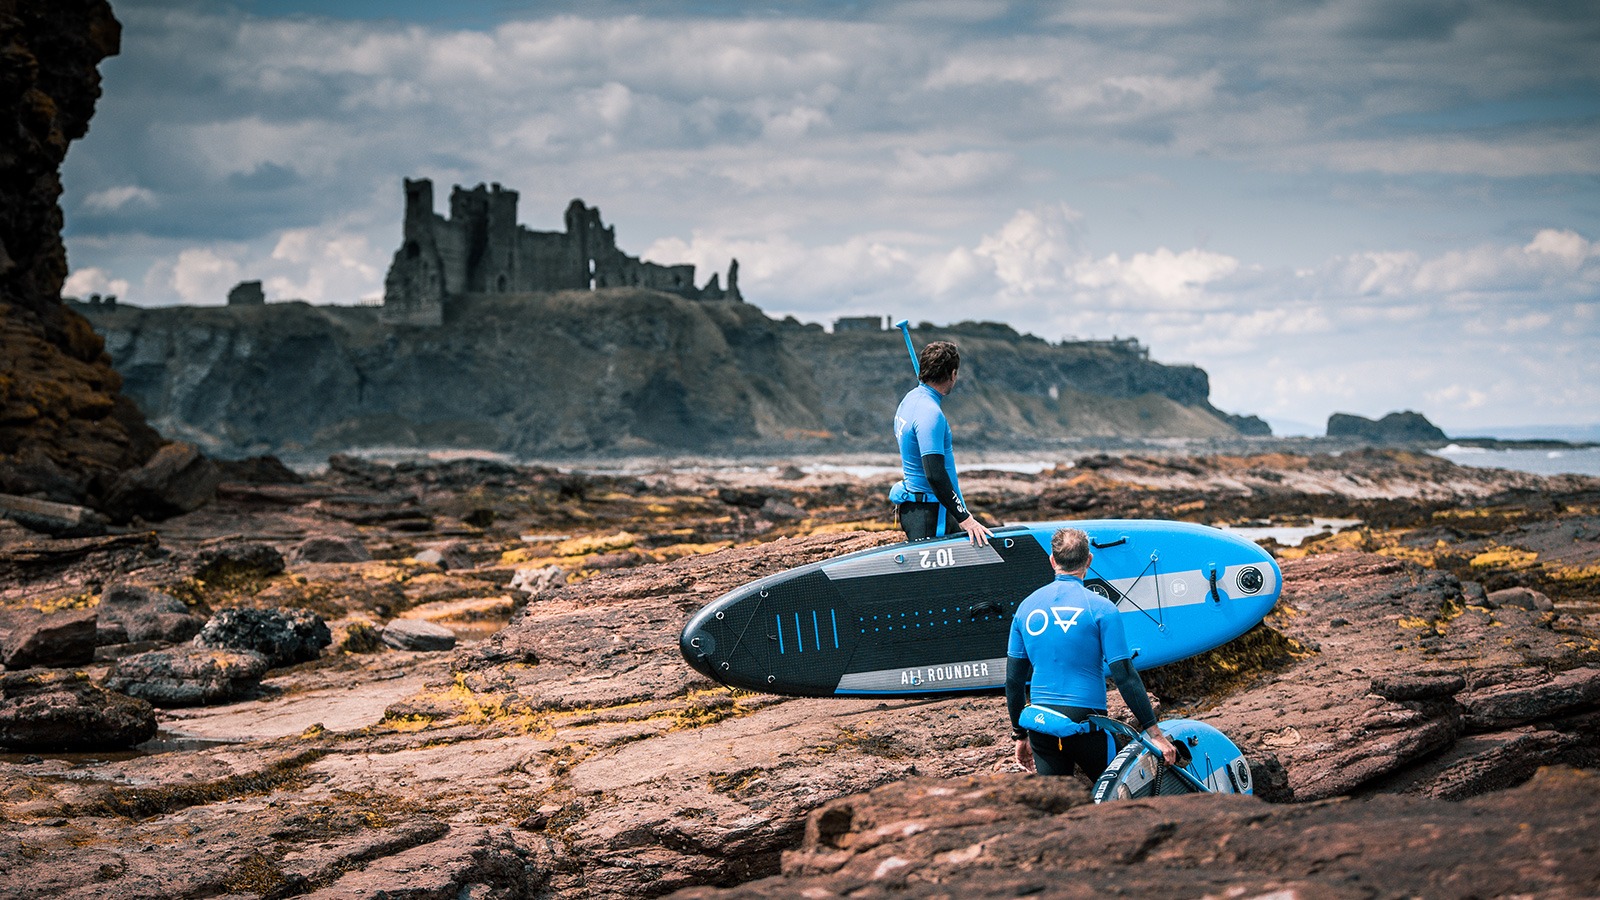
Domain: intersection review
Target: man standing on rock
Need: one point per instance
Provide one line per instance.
(928, 500)
(1061, 637)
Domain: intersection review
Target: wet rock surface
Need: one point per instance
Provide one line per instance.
(1392, 715)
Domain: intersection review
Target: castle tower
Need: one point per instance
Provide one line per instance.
(498, 265)
(414, 289)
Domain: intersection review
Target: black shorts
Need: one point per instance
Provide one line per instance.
(1091, 751)
(925, 520)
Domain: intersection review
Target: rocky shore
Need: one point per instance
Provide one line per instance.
(462, 679)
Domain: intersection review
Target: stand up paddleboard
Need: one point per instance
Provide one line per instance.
(933, 617)
(1208, 763)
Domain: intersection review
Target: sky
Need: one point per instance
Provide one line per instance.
(1358, 207)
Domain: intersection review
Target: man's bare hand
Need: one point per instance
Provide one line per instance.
(1025, 755)
(975, 530)
(1159, 739)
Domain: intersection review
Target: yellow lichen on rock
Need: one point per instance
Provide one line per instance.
(598, 543)
(1504, 557)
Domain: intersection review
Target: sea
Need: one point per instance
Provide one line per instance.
(1563, 461)
(1576, 460)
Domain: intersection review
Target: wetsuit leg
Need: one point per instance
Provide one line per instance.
(1091, 752)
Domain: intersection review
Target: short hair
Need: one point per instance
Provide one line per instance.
(1070, 549)
(938, 361)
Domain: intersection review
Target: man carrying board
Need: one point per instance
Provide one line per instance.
(1062, 637)
(928, 500)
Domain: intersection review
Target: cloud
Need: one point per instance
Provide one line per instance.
(84, 282)
(203, 276)
(113, 199)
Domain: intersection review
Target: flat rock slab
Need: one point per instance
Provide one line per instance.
(418, 634)
(309, 699)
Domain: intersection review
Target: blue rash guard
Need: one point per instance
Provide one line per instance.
(921, 430)
(1068, 633)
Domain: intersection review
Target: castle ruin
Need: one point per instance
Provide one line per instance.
(480, 249)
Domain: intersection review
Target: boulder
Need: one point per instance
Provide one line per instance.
(418, 634)
(45, 710)
(535, 581)
(57, 640)
(108, 634)
(188, 675)
(1519, 598)
(145, 614)
(238, 558)
(176, 480)
(329, 549)
(774, 508)
(284, 636)
(449, 555)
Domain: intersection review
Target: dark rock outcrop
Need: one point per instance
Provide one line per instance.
(50, 710)
(66, 430)
(1395, 428)
(188, 675)
(283, 636)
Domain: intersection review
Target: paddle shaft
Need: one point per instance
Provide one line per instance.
(905, 329)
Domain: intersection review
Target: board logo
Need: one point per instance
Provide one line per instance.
(950, 672)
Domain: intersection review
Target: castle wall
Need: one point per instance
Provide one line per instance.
(550, 262)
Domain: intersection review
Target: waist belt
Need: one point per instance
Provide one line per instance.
(1045, 720)
(899, 494)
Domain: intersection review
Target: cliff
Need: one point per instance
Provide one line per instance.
(66, 432)
(612, 370)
